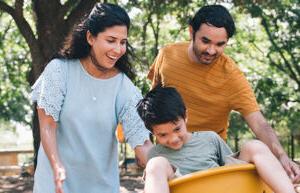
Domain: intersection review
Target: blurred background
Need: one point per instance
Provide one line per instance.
(266, 48)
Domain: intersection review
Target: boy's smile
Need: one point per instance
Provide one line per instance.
(172, 134)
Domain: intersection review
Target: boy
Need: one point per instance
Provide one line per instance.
(180, 152)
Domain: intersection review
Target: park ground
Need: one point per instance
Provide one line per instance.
(14, 184)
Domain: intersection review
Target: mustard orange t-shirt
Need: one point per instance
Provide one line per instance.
(210, 92)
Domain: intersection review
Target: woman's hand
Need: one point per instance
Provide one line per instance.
(59, 177)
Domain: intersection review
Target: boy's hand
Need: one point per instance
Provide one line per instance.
(59, 177)
(141, 153)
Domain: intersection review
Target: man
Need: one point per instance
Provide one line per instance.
(210, 82)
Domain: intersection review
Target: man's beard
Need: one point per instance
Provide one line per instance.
(198, 55)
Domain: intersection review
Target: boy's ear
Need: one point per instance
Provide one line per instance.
(186, 116)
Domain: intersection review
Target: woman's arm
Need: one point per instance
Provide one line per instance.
(48, 129)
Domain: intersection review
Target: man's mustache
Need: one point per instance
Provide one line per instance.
(207, 54)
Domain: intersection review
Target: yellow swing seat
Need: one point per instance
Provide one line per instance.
(240, 178)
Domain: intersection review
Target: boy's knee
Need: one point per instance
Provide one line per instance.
(158, 165)
(254, 147)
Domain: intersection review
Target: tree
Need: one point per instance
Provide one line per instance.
(14, 65)
(155, 24)
(274, 71)
(281, 21)
(52, 21)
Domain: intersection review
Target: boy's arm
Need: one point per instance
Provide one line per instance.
(141, 153)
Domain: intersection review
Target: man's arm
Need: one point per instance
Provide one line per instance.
(266, 134)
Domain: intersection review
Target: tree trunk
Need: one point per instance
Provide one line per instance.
(236, 143)
(292, 146)
(53, 21)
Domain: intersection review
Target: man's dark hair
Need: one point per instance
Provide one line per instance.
(161, 105)
(215, 15)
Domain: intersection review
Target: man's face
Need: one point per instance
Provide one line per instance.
(208, 44)
(171, 135)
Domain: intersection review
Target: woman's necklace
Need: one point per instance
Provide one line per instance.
(89, 72)
(104, 72)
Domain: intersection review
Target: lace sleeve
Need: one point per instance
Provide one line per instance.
(50, 89)
(134, 128)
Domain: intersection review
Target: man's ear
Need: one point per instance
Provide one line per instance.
(90, 38)
(191, 31)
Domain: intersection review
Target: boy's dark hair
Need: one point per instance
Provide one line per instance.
(161, 105)
(215, 15)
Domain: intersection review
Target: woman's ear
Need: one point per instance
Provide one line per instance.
(90, 38)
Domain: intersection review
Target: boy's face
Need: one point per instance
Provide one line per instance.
(171, 135)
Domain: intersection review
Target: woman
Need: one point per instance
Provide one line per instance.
(83, 93)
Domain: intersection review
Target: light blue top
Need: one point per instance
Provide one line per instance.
(87, 111)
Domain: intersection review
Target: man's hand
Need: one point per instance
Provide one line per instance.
(266, 134)
(59, 177)
(291, 168)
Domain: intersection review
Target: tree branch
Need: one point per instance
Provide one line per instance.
(78, 11)
(280, 67)
(144, 35)
(68, 6)
(19, 7)
(286, 62)
(5, 32)
(22, 24)
(6, 8)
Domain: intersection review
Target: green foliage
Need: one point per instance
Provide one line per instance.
(14, 66)
(156, 24)
(281, 22)
(266, 47)
(274, 89)
(238, 126)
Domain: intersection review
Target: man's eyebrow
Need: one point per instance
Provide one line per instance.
(208, 40)
(205, 38)
(221, 43)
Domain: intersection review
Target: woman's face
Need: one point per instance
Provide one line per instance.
(108, 46)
